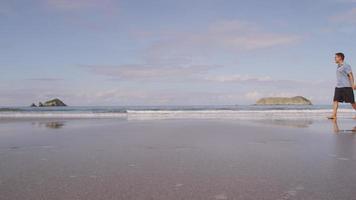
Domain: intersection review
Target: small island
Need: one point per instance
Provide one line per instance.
(51, 103)
(298, 100)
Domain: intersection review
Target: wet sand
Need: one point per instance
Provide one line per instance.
(176, 159)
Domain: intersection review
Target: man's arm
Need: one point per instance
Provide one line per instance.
(351, 78)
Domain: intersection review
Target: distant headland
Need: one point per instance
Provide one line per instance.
(51, 103)
(298, 100)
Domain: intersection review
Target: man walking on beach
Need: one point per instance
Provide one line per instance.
(344, 85)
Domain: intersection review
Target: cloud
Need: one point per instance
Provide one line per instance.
(45, 79)
(255, 95)
(250, 89)
(111, 96)
(273, 86)
(222, 37)
(238, 35)
(237, 78)
(148, 72)
(126, 94)
(176, 54)
(24, 95)
(246, 78)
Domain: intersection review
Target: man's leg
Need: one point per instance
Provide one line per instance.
(335, 107)
(354, 107)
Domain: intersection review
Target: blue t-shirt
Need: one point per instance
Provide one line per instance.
(342, 79)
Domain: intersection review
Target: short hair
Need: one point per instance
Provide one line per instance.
(341, 55)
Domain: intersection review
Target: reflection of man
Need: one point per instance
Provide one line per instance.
(344, 86)
(337, 130)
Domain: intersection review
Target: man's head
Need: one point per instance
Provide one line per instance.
(339, 58)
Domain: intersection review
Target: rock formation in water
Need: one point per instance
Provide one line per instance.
(51, 103)
(298, 100)
(54, 102)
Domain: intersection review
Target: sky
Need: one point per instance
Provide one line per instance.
(171, 52)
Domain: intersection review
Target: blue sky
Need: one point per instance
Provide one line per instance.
(165, 52)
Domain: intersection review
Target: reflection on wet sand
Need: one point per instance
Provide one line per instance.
(343, 152)
(50, 124)
(288, 123)
(181, 159)
(337, 129)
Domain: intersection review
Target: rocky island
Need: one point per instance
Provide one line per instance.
(50, 103)
(298, 100)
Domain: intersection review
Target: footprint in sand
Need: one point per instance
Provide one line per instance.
(178, 185)
(288, 195)
(291, 193)
(299, 187)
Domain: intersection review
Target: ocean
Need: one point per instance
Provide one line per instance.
(248, 112)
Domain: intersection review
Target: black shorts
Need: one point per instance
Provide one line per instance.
(345, 94)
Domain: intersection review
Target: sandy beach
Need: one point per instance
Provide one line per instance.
(93, 159)
(177, 100)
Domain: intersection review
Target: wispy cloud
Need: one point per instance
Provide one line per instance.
(255, 95)
(123, 94)
(45, 79)
(148, 72)
(174, 54)
(219, 37)
(246, 78)
(237, 78)
(238, 35)
(268, 82)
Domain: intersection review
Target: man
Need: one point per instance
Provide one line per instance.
(344, 85)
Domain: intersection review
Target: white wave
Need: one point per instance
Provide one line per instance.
(234, 111)
(234, 114)
(61, 115)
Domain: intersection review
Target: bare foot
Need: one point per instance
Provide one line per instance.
(333, 117)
